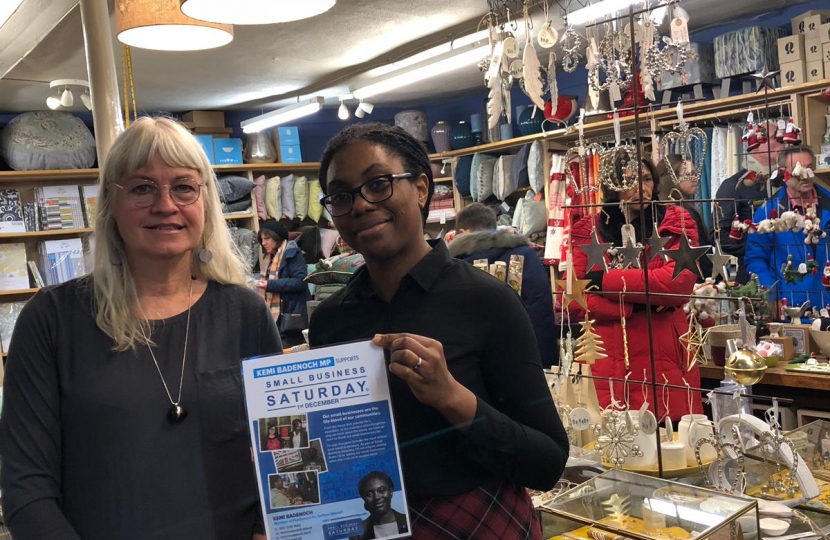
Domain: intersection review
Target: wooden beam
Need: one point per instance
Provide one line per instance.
(27, 27)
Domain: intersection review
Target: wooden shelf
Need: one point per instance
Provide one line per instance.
(63, 175)
(238, 215)
(443, 179)
(19, 292)
(310, 166)
(46, 234)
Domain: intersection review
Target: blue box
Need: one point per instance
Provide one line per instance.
(290, 153)
(289, 135)
(207, 145)
(228, 151)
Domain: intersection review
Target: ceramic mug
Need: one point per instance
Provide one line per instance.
(692, 428)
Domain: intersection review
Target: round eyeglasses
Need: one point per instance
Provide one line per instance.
(144, 193)
(375, 190)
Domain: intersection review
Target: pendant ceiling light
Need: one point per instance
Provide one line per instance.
(254, 11)
(160, 25)
(65, 98)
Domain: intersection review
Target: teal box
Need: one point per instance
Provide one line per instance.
(289, 135)
(228, 151)
(290, 154)
(207, 145)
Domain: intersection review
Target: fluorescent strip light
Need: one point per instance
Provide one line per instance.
(7, 9)
(281, 116)
(444, 63)
(254, 11)
(599, 10)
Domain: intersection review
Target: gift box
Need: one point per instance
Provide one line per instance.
(814, 71)
(787, 343)
(227, 151)
(746, 51)
(207, 145)
(290, 154)
(699, 68)
(793, 73)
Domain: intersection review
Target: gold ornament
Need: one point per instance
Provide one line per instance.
(746, 367)
(693, 341)
(589, 349)
(577, 293)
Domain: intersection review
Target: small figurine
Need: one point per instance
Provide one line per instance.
(789, 271)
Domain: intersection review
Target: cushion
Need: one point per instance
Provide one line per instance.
(241, 205)
(442, 192)
(233, 188)
(287, 196)
(301, 197)
(517, 214)
(481, 176)
(520, 167)
(47, 140)
(534, 217)
(336, 270)
(461, 175)
(259, 198)
(273, 204)
(328, 237)
(536, 167)
(315, 209)
(504, 183)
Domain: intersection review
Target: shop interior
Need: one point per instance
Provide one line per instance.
(526, 107)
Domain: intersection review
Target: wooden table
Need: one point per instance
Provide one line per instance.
(777, 376)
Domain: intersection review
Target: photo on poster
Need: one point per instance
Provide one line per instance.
(314, 459)
(283, 432)
(383, 521)
(269, 435)
(293, 489)
(298, 435)
(288, 460)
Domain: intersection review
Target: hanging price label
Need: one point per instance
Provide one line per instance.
(679, 31)
(638, 32)
(580, 419)
(782, 124)
(614, 92)
(648, 422)
(511, 47)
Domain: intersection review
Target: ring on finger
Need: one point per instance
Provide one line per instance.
(417, 366)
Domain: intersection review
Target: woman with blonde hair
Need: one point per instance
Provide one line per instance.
(123, 414)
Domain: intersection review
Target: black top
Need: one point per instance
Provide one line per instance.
(86, 449)
(747, 199)
(490, 348)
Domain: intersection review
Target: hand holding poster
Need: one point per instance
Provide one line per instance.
(327, 460)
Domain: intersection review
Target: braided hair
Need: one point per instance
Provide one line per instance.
(392, 138)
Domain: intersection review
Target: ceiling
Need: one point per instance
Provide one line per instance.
(267, 66)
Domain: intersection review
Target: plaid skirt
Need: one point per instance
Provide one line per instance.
(497, 511)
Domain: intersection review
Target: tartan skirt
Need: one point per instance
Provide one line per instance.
(497, 511)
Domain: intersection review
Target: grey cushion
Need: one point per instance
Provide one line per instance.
(520, 167)
(45, 140)
(233, 188)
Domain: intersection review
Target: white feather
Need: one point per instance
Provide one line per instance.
(532, 75)
(494, 102)
(554, 88)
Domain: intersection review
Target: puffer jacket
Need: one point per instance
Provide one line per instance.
(289, 283)
(499, 245)
(766, 253)
(667, 319)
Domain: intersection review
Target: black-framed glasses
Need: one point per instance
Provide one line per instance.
(144, 193)
(374, 190)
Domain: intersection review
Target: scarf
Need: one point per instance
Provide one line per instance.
(273, 299)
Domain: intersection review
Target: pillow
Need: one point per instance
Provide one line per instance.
(338, 270)
(259, 198)
(517, 214)
(233, 188)
(241, 205)
(481, 176)
(442, 192)
(536, 167)
(273, 205)
(301, 197)
(520, 167)
(47, 140)
(534, 217)
(504, 182)
(315, 209)
(461, 175)
(287, 196)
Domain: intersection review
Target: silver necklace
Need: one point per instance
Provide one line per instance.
(177, 413)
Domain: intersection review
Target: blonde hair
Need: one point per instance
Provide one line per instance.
(114, 288)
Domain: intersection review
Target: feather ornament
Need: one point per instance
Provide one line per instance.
(495, 104)
(531, 74)
(554, 88)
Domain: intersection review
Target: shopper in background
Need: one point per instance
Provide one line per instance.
(685, 191)
(618, 298)
(282, 282)
(767, 253)
(123, 413)
(474, 416)
(478, 238)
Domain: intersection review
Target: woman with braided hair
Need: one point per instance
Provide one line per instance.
(475, 420)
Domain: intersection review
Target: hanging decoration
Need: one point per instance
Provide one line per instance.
(553, 87)
(765, 78)
(656, 244)
(613, 61)
(685, 139)
(608, 163)
(548, 36)
(532, 73)
(647, 43)
(596, 252)
(615, 438)
(589, 347)
(573, 290)
(719, 260)
(572, 43)
(671, 58)
(685, 256)
(693, 342)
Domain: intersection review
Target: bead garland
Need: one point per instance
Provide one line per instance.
(570, 58)
(608, 172)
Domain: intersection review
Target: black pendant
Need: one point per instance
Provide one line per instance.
(176, 414)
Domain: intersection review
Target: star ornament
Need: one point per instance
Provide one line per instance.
(766, 79)
(577, 293)
(656, 244)
(630, 255)
(685, 256)
(719, 261)
(596, 251)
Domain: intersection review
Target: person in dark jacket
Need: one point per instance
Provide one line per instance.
(282, 278)
(477, 238)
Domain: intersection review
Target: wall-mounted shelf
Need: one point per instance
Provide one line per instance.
(46, 234)
(238, 215)
(264, 167)
(19, 292)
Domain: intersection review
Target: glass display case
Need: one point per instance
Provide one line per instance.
(623, 504)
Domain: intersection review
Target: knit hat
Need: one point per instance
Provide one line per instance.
(275, 227)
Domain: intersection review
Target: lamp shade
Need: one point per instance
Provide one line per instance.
(67, 99)
(53, 103)
(160, 25)
(254, 11)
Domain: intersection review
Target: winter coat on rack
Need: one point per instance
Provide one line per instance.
(607, 307)
(499, 245)
(766, 253)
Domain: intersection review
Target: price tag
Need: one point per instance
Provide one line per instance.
(648, 422)
(580, 419)
(614, 92)
(782, 124)
(679, 31)
(548, 36)
(505, 206)
(517, 69)
(593, 47)
(511, 47)
(495, 60)
(638, 32)
(648, 33)
(443, 220)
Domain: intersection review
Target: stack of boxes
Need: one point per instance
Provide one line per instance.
(288, 143)
(209, 129)
(805, 56)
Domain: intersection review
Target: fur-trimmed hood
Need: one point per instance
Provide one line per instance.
(474, 242)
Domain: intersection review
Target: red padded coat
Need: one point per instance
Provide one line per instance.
(668, 320)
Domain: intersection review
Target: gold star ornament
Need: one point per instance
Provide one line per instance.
(576, 288)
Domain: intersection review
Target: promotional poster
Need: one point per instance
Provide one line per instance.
(324, 442)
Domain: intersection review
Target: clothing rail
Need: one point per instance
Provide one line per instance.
(723, 114)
